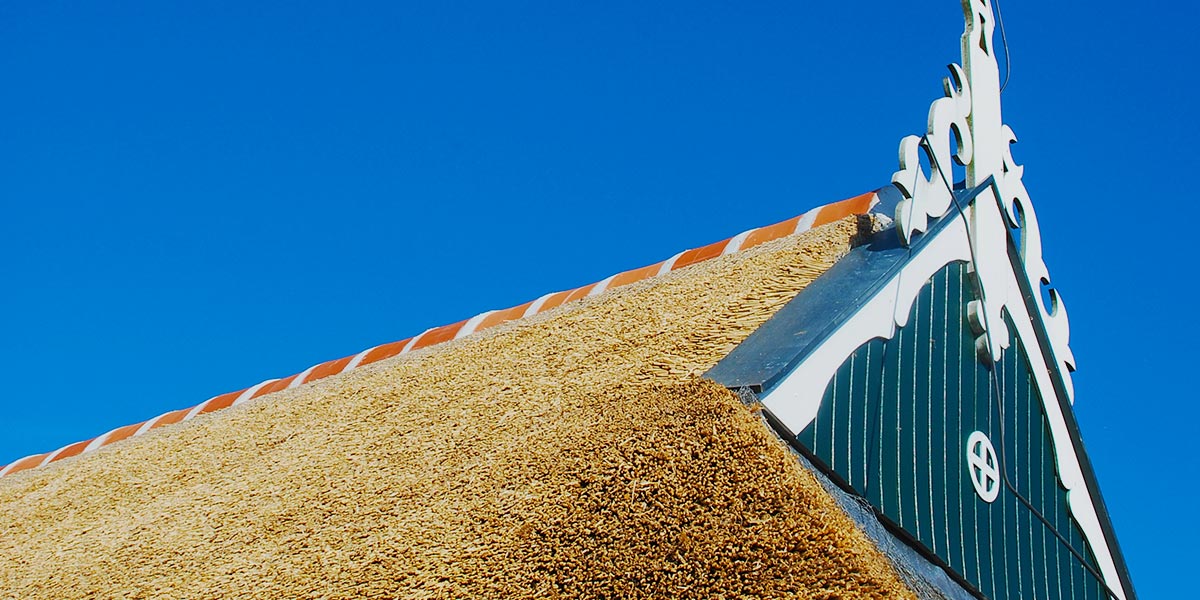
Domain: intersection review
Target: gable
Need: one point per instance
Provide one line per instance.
(893, 395)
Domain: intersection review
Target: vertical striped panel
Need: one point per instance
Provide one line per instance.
(894, 423)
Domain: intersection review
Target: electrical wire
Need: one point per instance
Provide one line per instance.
(876, 423)
(999, 390)
(993, 380)
(1004, 42)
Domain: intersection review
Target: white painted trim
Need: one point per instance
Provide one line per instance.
(735, 243)
(299, 379)
(806, 221)
(796, 399)
(195, 410)
(250, 391)
(98, 442)
(413, 342)
(357, 360)
(669, 264)
(50, 457)
(600, 287)
(469, 327)
(148, 425)
(1070, 472)
(14, 463)
(537, 305)
(966, 127)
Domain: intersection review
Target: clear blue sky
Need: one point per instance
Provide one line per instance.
(199, 198)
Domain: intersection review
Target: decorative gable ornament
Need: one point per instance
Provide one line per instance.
(966, 127)
(986, 223)
(968, 119)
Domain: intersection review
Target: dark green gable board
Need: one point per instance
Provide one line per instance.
(893, 426)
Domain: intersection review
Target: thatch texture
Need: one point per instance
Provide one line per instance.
(573, 454)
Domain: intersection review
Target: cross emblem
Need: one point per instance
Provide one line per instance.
(983, 466)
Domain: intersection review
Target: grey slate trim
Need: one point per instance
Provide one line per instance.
(803, 324)
(920, 575)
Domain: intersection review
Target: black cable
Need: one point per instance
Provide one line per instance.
(876, 423)
(1004, 42)
(999, 391)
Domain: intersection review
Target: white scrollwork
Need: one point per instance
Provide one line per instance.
(970, 117)
(966, 126)
(930, 197)
(1019, 213)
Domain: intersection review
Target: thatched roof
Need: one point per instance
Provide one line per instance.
(575, 453)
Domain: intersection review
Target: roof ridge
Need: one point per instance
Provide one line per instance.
(815, 217)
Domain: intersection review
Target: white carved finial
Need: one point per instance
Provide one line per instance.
(969, 120)
(983, 75)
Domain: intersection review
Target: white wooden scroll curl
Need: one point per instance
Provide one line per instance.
(927, 197)
(1020, 214)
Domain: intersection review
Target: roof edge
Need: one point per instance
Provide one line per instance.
(815, 217)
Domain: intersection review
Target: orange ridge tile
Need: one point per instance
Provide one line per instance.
(821, 215)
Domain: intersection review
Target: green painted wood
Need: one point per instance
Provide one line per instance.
(893, 425)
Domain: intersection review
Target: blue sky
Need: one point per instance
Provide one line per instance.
(197, 198)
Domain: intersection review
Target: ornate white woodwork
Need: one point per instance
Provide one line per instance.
(927, 197)
(966, 127)
(968, 119)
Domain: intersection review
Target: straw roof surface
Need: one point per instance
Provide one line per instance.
(572, 454)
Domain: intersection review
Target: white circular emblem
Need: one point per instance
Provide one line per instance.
(983, 466)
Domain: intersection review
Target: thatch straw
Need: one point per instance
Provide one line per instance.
(570, 455)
